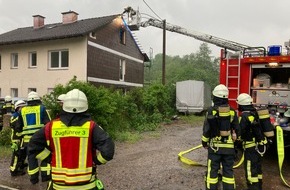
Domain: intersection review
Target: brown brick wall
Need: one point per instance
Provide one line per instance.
(102, 64)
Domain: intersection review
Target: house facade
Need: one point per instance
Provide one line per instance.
(97, 50)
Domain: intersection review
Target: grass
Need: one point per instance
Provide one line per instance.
(5, 151)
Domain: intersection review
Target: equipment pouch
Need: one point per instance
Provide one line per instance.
(265, 122)
(224, 121)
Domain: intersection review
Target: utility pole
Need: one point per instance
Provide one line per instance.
(164, 52)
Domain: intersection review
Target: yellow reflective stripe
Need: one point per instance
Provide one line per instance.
(72, 171)
(58, 162)
(101, 159)
(260, 176)
(43, 154)
(46, 169)
(228, 180)
(13, 119)
(264, 116)
(224, 114)
(249, 144)
(48, 142)
(214, 112)
(205, 139)
(91, 185)
(251, 118)
(249, 173)
(210, 180)
(224, 145)
(31, 172)
(13, 167)
(83, 151)
(71, 179)
(232, 113)
(26, 138)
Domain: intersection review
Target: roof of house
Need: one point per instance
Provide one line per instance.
(55, 31)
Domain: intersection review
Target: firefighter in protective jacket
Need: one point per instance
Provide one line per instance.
(32, 118)
(8, 107)
(77, 145)
(255, 130)
(220, 131)
(18, 156)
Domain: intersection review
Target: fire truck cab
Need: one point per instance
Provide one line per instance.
(262, 73)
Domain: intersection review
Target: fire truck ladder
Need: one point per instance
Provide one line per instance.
(134, 23)
(227, 44)
(233, 74)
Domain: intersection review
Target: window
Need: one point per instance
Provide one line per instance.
(123, 36)
(32, 59)
(49, 90)
(122, 69)
(58, 59)
(14, 92)
(14, 60)
(31, 89)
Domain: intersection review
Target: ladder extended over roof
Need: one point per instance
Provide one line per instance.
(134, 23)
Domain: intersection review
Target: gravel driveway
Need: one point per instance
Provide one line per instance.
(152, 163)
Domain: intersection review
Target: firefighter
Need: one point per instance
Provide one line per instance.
(18, 157)
(8, 107)
(32, 118)
(254, 140)
(220, 131)
(73, 139)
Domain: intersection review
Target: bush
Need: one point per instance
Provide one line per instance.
(5, 136)
(141, 109)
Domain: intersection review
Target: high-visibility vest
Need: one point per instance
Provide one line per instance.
(71, 148)
(31, 116)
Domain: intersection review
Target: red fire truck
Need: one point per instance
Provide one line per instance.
(262, 73)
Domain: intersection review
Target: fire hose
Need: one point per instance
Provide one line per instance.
(280, 152)
(191, 162)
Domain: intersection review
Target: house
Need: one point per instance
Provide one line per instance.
(98, 50)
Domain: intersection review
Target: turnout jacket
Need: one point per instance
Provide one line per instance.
(71, 138)
(217, 143)
(32, 117)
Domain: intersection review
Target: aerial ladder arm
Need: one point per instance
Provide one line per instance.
(134, 23)
(230, 45)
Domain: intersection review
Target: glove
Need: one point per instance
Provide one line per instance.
(204, 144)
(34, 180)
(14, 146)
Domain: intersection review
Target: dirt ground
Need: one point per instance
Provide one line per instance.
(152, 163)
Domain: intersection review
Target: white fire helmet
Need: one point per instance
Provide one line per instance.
(75, 101)
(33, 96)
(287, 113)
(61, 97)
(244, 99)
(7, 98)
(221, 91)
(19, 103)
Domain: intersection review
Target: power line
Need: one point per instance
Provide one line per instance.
(152, 10)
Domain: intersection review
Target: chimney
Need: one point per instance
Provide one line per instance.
(38, 21)
(69, 17)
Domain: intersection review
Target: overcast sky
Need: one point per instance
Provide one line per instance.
(250, 22)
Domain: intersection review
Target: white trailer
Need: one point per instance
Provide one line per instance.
(192, 96)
